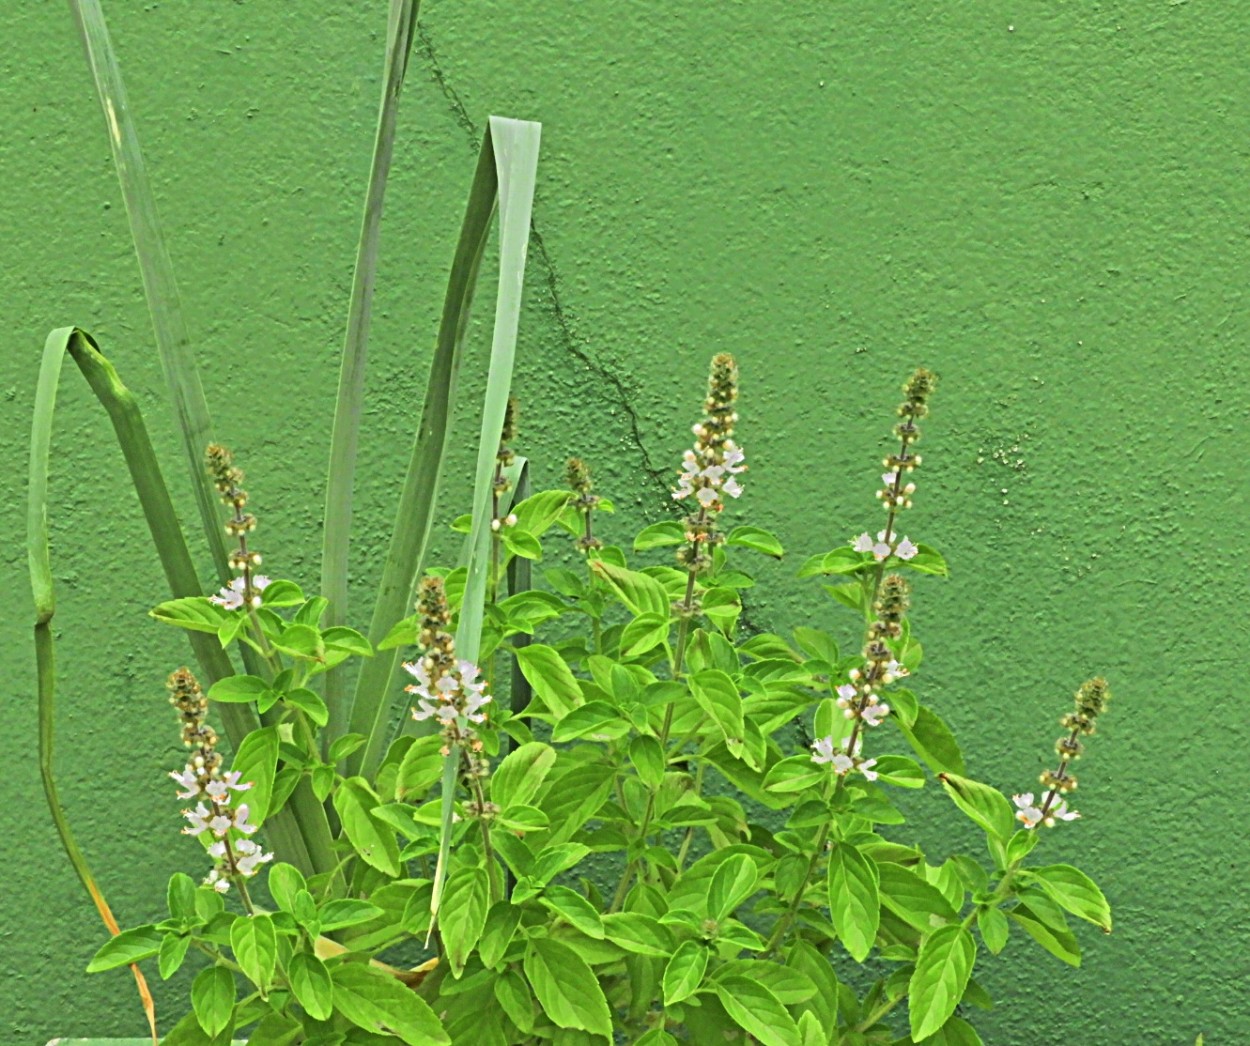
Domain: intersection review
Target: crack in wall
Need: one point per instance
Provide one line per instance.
(622, 398)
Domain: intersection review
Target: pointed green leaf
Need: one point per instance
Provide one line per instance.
(987, 806)
(684, 972)
(375, 842)
(566, 987)
(854, 901)
(378, 1003)
(941, 975)
(129, 946)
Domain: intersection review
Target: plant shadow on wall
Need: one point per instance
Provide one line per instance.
(600, 712)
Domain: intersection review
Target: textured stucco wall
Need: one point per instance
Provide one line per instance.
(1047, 203)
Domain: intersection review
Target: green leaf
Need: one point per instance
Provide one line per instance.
(795, 773)
(987, 806)
(566, 987)
(173, 952)
(854, 901)
(641, 593)
(912, 899)
(519, 776)
(255, 945)
(717, 694)
(927, 560)
(757, 1011)
(301, 641)
(1073, 890)
(574, 797)
(129, 946)
(309, 702)
(212, 998)
(195, 613)
(498, 931)
(420, 769)
(574, 909)
(732, 883)
(238, 689)
(462, 914)
(941, 975)
(756, 538)
(538, 512)
(643, 633)
(344, 746)
(521, 544)
(647, 756)
(933, 741)
(377, 1002)
(285, 881)
(505, 174)
(684, 972)
(347, 911)
(374, 842)
(281, 594)
(955, 1032)
(311, 985)
(994, 928)
(639, 933)
(515, 999)
(598, 721)
(552, 679)
(1052, 934)
(843, 560)
(256, 760)
(660, 535)
(180, 897)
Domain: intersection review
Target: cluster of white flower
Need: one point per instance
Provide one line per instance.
(508, 521)
(841, 758)
(883, 548)
(1031, 816)
(449, 696)
(231, 597)
(202, 779)
(707, 482)
(871, 709)
(895, 494)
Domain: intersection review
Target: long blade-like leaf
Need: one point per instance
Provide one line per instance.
(338, 512)
(514, 144)
(173, 342)
(45, 647)
(158, 510)
(373, 701)
(173, 345)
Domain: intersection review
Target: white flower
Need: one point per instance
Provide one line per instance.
(251, 857)
(873, 714)
(708, 482)
(219, 790)
(881, 548)
(822, 749)
(231, 597)
(1026, 812)
(241, 822)
(842, 761)
(189, 780)
(198, 818)
(846, 694)
(896, 670)
(843, 764)
(1060, 812)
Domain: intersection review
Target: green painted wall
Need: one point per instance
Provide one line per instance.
(1047, 203)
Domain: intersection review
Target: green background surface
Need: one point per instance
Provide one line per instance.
(1046, 203)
